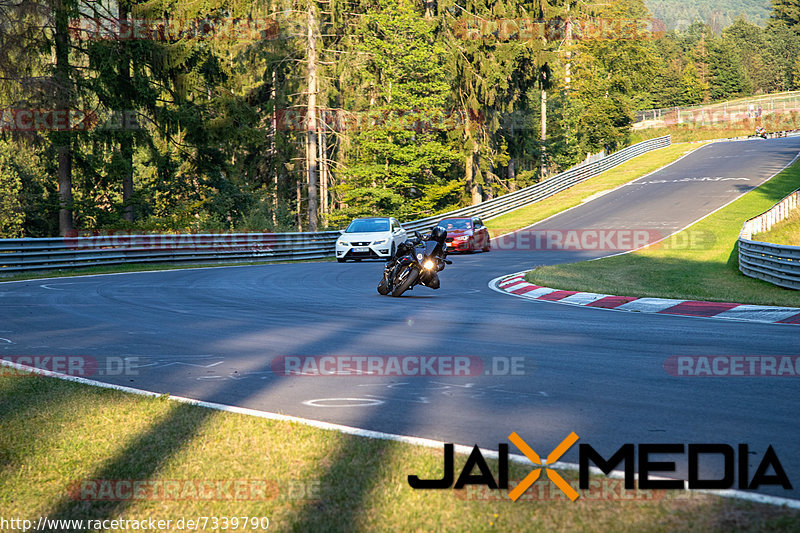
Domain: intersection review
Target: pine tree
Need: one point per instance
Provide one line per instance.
(694, 90)
(728, 77)
(786, 12)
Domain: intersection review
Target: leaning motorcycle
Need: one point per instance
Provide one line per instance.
(416, 262)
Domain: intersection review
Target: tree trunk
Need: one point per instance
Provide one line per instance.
(311, 117)
(126, 141)
(474, 158)
(299, 200)
(430, 8)
(544, 135)
(323, 175)
(568, 62)
(273, 130)
(63, 98)
(488, 192)
(470, 169)
(511, 176)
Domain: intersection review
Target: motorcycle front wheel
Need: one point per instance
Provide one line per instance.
(405, 280)
(383, 286)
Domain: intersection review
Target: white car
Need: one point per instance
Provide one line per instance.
(370, 238)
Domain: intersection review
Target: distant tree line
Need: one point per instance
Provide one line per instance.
(279, 115)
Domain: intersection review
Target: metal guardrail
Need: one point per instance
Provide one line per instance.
(25, 255)
(539, 191)
(22, 255)
(776, 263)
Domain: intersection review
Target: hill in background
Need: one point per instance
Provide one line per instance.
(678, 14)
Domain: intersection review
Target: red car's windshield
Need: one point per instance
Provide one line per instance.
(456, 223)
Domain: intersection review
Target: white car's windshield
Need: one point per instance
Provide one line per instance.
(368, 225)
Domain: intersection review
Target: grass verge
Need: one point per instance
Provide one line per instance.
(784, 232)
(65, 445)
(628, 171)
(724, 130)
(691, 133)
(140, 267)
(675, 269)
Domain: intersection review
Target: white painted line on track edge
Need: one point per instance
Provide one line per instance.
(367, 433)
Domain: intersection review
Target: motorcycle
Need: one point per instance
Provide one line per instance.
(417, 262)
(761, 132)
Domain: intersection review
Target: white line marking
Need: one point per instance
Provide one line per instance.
(494, 283)
(367, 433)
(422, 399)
(44, 286)
(82, 276)
(703, 217)
(606, 192)
(351, 402)
(7, 340)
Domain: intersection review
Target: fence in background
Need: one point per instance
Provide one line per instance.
(765, 106)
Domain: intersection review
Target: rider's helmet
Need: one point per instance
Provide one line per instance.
(438, 234)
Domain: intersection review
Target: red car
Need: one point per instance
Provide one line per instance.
(466, 234)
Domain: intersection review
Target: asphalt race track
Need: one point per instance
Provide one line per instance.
(211, 334)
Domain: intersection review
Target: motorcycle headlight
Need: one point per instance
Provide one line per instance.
(419, 257)
(428, 264)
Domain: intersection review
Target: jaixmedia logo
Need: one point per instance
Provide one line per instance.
(769, 471)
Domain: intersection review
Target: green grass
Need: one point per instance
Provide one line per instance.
(628, 171)
(784, 232)
(139, 267)
(724, 130)
(690, 133)
(56, 434)
(703, 272)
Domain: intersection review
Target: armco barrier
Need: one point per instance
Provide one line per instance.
(24, 255)
(20, 255)
(776, 263)
(509, 202)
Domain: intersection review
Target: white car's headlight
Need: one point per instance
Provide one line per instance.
(343, 243)
(382, 241)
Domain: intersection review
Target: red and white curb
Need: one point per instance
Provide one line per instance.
(516, 285)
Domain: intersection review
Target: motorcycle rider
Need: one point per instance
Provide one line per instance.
(437, 234)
